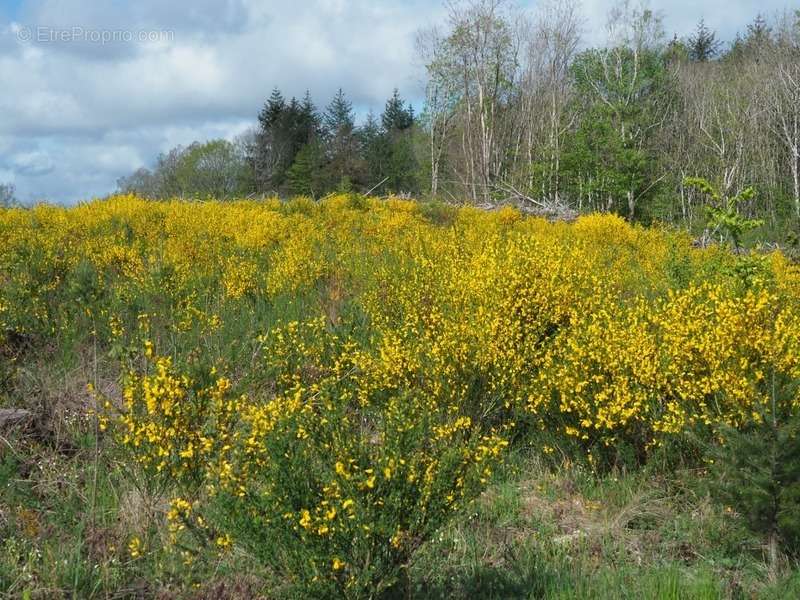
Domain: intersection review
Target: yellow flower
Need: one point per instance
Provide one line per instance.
(305, 519)
(135, 547)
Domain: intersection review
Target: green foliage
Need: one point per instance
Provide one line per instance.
(284, 129)
(396, 116)
(388, 148)
(758, 38)
(756, 471)
(723, 211)
(214, 169)
(439, 213)
(329, 484)
(703, 45)
(338, 118)
(305, 177)
(608, 159)
(550, 524)
(604, 162)
(299, 205)
(343, 161)
(677, 51)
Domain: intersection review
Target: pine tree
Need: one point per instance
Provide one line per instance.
(758, 37)
(752, 45)
(756, 470)
(758, 31)
(284, 128)
(271, 154)
(396, 117)
(342, 142)
(305, 177)
(309, 120)
(703, 45)
(272, 110)
(399, 162)
(757, 473)
(370, 130)
(339, 118)
(375, 153)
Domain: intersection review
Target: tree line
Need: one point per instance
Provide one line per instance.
(295, 149)
(519, 108)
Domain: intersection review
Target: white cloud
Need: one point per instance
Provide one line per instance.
(33, 164)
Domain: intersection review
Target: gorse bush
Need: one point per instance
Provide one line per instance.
(322, 385)
(317, 477)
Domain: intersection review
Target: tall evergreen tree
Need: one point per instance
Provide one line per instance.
(758, 30)
(751, 46)
(703, 45)
(284, 128)
(309, 120)
(396, 117)
(400, 164)
(339, 118)
(272, 110)
(375, 151)
(270, 154)
(305, 176)
(344, 161)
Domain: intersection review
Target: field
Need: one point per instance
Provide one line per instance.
(372, 398)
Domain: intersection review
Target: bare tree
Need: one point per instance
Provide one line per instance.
(723, 106)
(7, 194)
(441, 98)
(474, 70)
(545, 90)
(515, 110)
(784, 101)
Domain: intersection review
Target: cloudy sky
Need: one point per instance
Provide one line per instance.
(77, 111)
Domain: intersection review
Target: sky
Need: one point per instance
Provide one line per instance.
(93, 90)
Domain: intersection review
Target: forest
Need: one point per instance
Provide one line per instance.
(519, 108)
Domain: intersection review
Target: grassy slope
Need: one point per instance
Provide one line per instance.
(542, 530)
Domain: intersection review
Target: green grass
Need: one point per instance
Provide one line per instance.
(543, 529)
(542, 532)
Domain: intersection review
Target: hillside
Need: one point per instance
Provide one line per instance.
(363, 398)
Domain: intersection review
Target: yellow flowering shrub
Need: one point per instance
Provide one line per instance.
(324, 383)
(336, 490)
(172, 423)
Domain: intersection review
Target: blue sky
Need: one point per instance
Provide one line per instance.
(10, 8)
(77, 114)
